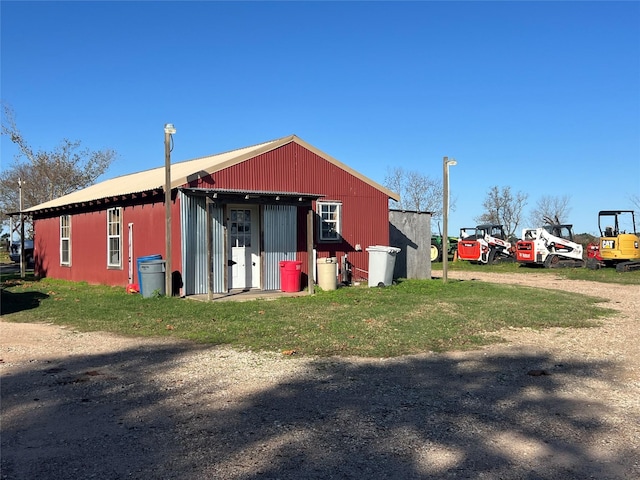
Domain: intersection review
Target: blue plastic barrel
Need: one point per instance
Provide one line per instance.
(140, 260)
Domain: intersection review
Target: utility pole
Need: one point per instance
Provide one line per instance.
(446, 163)
(168, 131)
(22, 257)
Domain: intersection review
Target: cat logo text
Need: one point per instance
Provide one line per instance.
(608, 244)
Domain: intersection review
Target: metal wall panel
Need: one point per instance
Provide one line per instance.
(280, 230)
(293, 168)
(193, 230)
(89, 243)
(411, 231)
(217, 248)
(289, 168)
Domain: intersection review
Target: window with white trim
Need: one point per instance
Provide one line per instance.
(114, 238)
(330, 219)
(65, 240)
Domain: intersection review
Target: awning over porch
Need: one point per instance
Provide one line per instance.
(223, 249)
(224, 196)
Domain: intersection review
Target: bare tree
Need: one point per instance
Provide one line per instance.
(503, 208)
(46, 175)
(417, 191)
(550, 210)
(635, 202)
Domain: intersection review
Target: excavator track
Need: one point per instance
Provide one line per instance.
(628, 266)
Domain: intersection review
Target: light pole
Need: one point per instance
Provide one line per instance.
(22, 256)
(168, 131)
(446, 163)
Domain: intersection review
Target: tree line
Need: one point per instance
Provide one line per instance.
(42, 175)
(501, 206)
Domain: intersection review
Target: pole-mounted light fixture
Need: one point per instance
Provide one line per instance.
(169, 130)
(22, 255)
(446, 163)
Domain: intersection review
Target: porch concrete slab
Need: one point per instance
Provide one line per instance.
(247, 295)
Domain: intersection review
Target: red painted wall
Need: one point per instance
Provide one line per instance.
(89, 243)
(293, 168)
(290, 168)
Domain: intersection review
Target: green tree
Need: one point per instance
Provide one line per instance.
(501, 207)
(46, 175)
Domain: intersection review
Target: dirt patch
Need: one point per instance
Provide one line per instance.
(94, 405)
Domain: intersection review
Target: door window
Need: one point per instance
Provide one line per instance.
(240, 228)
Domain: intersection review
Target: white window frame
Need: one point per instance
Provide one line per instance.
(114, 233)
(329, 214)
(65, 238)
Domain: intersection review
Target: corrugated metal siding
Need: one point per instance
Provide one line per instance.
(289, 168)
(365, 213)
(195, 269)
(89, 243)
(218, 248)
(193, 230)
(280, 229)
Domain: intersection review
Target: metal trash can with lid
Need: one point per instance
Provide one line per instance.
(152, 278)
(140, 261)
(382, 260)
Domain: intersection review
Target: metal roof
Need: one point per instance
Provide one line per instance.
(184, 172)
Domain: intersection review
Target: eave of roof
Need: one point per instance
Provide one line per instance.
(271, 193)
(141, 183)
(225, 194)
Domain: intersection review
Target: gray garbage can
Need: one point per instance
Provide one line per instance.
(152, 278)
(382, 260)
(327, 273)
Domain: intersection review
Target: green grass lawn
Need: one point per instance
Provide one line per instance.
(411, 317)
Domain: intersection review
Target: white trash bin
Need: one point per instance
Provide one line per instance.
(327, 273)
(382, 260)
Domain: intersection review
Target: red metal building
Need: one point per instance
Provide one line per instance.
(235, 216)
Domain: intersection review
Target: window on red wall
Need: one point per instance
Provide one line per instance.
(65, 240)
(330, 221)
(114, 238)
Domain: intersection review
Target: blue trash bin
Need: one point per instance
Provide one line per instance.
(140, 260)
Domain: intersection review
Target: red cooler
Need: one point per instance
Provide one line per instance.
(290, 271)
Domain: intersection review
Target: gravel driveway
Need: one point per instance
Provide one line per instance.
(556, 404)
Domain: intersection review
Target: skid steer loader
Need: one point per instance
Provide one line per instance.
(619, 240)
(484, 244)
(551, 246)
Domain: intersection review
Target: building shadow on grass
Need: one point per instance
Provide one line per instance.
(12, 302)
(439, 417)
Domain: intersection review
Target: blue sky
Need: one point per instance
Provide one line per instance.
(543, 97)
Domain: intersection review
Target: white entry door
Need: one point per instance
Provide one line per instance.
(243, 231)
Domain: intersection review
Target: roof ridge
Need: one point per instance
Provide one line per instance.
(292, 136)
